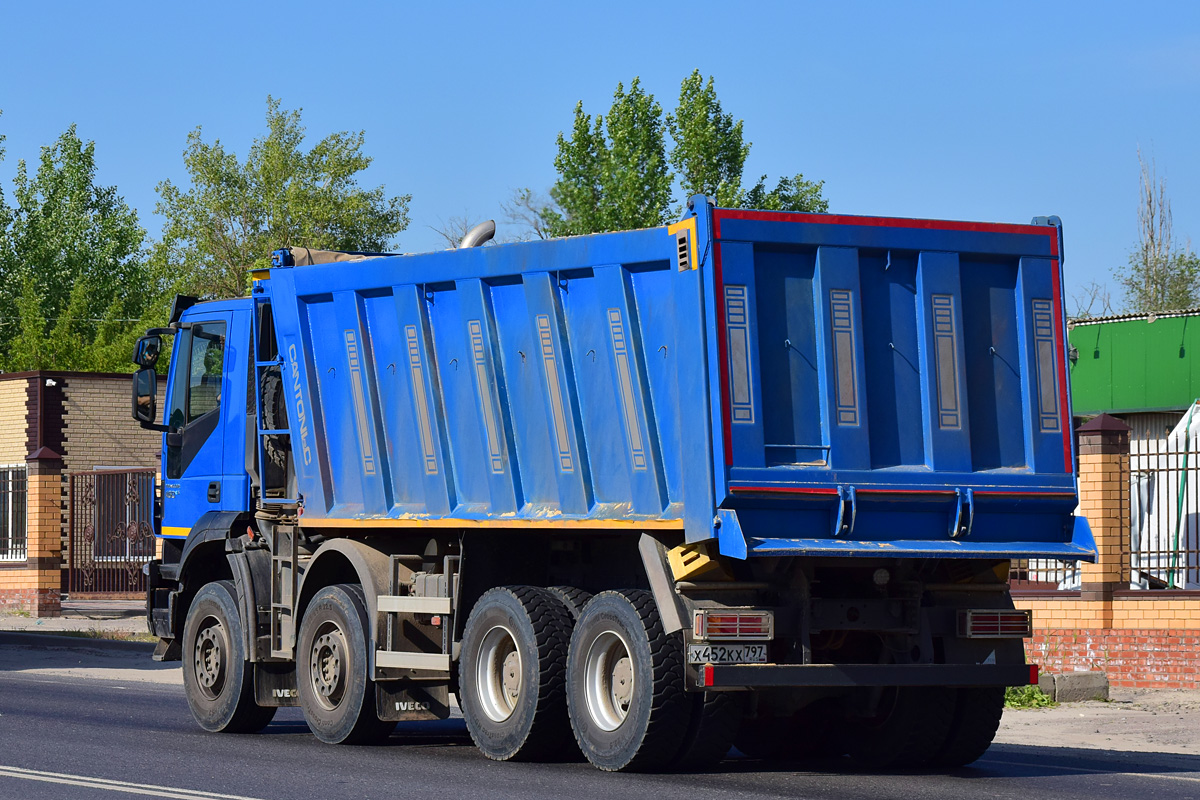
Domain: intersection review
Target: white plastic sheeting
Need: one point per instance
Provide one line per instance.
(1165, 510)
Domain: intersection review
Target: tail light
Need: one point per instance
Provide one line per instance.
(993, 624)
(711, 624)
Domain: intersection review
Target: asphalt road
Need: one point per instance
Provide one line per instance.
(69, 735)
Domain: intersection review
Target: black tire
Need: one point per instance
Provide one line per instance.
(574, 599)
(977, 713)
(716, 718)
(908, 730)
(619, 641)
(217, 679)
(337, 694)
(512, 674)
(811, 732)
(274, 409)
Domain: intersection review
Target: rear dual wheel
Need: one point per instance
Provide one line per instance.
(512, 677)
(625, 690)
(337, 694)
(927, 726)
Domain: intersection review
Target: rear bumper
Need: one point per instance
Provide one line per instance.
(750, 676)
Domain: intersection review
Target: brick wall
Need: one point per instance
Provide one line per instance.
(1160, 658)
(1146, 639)
(76, 421)
(13, 438)
(98, 430)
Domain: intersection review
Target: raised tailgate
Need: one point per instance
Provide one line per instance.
(900, 379)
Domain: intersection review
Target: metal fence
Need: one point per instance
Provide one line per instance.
(1045, 575)
(110, 531)
(13, 529)
(1160, 504)
(1163, 546)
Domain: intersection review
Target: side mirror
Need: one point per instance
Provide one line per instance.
(147, 350)
(145, 398)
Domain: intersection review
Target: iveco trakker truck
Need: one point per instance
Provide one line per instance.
(750, 478)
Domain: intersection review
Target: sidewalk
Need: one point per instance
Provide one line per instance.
(123, 618)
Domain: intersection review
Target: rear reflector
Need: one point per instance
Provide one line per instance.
(993, 624)
(710, 624)
(1033, 674)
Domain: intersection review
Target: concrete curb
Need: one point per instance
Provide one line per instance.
(1074, 687)
(50, 641)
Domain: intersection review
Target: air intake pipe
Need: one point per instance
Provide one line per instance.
(481, 233)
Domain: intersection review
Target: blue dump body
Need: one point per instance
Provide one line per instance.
(788, 384)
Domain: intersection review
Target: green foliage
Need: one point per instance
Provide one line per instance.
(1164, 282)
(1027, 697)
(613, 172)
(72, 273)
(234, 214)
(1159, 275)
(709, 151)
(790, 194)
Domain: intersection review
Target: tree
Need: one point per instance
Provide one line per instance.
(789, 194)
(1093, 300)
(72, 273)
(709, 152)
(529, 214)
(5, 214)
(235, 214)
(613, 172)
(1159, 276)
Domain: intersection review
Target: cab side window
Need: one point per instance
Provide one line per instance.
(207, 368)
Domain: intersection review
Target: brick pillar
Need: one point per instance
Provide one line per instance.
(44, 525)
(1103, 486)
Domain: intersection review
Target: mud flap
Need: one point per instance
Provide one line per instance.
(409, 700)
(275, 684)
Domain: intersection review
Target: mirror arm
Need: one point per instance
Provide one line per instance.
(154, 426)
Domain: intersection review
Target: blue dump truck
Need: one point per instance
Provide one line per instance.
(752, 478)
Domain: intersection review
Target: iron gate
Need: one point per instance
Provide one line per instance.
(110, 531)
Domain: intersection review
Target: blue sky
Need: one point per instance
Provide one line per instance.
(983, 111)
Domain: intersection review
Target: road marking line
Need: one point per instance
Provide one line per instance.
(1099, 771)
(115, 786)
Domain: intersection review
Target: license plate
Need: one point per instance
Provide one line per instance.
(727, 653)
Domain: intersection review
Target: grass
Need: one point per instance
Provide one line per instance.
(1027, 697)
(16, 612)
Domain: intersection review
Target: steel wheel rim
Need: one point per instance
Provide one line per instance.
(327, 666)
(209, 656)
(608, 680)
(499, 674)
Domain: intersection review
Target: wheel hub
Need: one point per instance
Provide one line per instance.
(609, 680)
(327, 666)
(498, 674)
(209, 658)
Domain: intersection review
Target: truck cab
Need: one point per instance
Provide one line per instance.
(207, 416)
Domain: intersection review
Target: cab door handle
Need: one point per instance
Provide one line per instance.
(214, 492)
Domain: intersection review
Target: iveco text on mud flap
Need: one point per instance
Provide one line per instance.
(773, 465)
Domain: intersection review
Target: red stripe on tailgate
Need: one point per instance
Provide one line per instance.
(722, 353)
(886, 222)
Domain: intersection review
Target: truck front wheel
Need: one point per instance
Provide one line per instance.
(337, 694)
(217, 680)
(625, 684)
(513, 685)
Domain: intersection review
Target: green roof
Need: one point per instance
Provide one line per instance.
(1135, 363)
